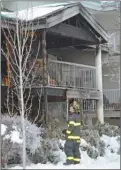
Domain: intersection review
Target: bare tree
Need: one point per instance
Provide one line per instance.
(113, 67)
(113, 61)
(23, 67)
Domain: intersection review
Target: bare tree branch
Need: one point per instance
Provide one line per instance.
(113, 66)
(22, 79)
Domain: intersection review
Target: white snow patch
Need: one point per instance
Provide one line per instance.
(14, 127)
(111, 143)
(109, 161)
(83, 143)
(15, 137)
(62, 142)
(3, 129)
(7, 137)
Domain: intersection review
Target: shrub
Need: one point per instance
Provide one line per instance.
(40, 147)
(92, 153)
(49, 152)
(107, 129)
(11, 143)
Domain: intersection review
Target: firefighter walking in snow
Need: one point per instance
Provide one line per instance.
(71, 147)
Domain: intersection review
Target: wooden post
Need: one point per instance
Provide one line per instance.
(98, 62)
(44, 53)
(82, 111)
(67, 101)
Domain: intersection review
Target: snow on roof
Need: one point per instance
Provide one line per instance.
(99, 5)
(33, 13)
(42, 11)
(37, 12)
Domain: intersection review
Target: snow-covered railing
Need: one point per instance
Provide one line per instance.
(111, 99)
(71, 75)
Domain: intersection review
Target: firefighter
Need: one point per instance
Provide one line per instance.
(72, 133)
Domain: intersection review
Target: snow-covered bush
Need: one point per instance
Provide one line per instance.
(12, 139)
(118, 152)
(92, 152)
(10, 152)
(101, 148)
(52, 150)
(49, 152)
(33, 133)
(87, 121)
(118, 139)
(96, 146)
(107, 129)
(52, 129)
(92, 137)
(42, 144)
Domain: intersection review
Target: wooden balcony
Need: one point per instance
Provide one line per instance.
(71, 75)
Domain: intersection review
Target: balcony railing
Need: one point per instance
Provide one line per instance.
(111, 99)
(71, 75)
(89, 105)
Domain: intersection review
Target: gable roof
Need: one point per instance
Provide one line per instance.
(49, 16)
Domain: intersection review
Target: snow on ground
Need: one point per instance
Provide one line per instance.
(109, 161)
(111, 143)
(3, 129)
(86, 163)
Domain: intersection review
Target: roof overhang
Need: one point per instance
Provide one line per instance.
(69, 12)
(56, 17)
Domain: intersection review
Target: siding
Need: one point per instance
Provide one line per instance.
(75, 56)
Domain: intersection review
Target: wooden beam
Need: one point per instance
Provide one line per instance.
(83, 94)
(56, 99)
(36, 26)
(65, 14)
(44, 53)
(95, 25)
(74, 32)
(56, 41)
